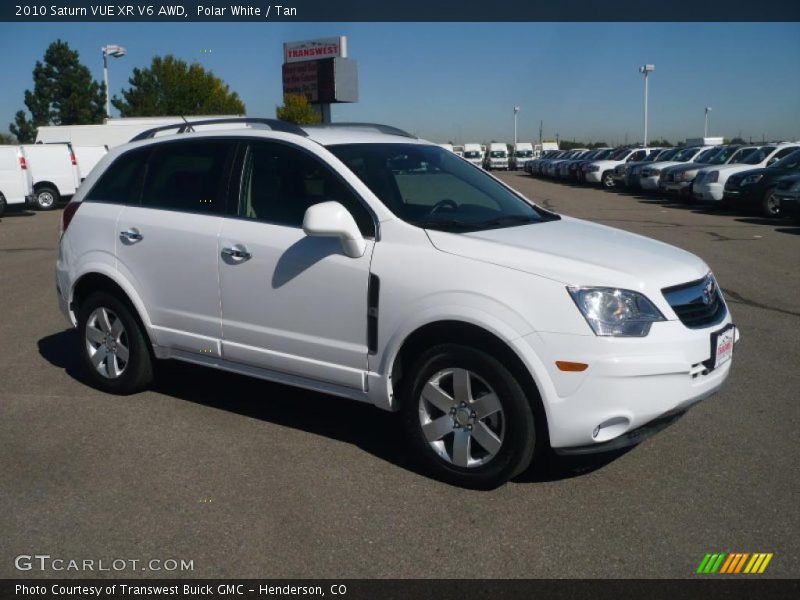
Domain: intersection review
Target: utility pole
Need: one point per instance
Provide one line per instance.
(540, 132)
(516, 112)
(705, 129)
(646, 70)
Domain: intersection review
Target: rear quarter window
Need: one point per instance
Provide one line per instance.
(122, 181)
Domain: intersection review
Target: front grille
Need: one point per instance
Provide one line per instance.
(697, 303)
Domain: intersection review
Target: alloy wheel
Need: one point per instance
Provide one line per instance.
(462, 418)
(107, 343)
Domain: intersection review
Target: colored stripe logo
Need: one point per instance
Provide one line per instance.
(734, 563)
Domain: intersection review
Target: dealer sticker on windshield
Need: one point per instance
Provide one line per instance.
(724, 346)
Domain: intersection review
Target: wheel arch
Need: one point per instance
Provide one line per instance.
(94, 281)
(470, 334)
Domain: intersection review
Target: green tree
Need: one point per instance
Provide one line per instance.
(64, 93)
(7, 139)
(173, 87)
(296, 109)
(737, 140)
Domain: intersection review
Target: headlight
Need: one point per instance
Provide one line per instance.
(615, 312)
(654, 172)
(712, 177)
(751, 179)
(592, 168)
(686, 176)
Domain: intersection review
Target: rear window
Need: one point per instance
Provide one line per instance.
(189, 176)
(122, 181)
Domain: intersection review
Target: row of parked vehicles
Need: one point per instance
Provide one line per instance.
(497, 156)
(42, 175)
(764, 178)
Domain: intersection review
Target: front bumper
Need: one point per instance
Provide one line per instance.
(593, 176)
(712, 192)
(678, 187)
(742, 195)
(649, 183)
(630, 382)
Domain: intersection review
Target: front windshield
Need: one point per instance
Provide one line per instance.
(497, 154)
(759, 155)
(472, 154)
(621, 154)
(685, 155)
(660, 155)
(432, 188)
(604, 153)
(741, 155)
(706, 155)
(523, 153)
(722, 156)
(788, 163)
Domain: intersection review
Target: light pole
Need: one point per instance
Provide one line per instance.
(116, 52)
(516, 112)
(705, 129)
(646, 70)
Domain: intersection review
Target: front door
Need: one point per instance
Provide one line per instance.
(290, 302)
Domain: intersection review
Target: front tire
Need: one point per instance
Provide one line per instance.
(608, 180)
(2, 205)
(46, 198)
(467, 418)
(770, 206)
(114, 349)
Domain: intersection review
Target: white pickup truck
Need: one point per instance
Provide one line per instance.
(602, 171)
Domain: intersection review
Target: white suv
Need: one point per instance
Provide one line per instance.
(365, 263)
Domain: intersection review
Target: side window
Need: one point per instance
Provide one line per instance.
(784, 152)
(280, 182)
(636, 156)
(190, 176)
(122, 181)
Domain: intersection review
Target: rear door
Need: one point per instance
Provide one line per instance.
(13, 179)
(53, 164)
(167, 246)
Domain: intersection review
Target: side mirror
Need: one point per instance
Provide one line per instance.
(331, 219)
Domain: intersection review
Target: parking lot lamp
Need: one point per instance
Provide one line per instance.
(646, 70)
(516, 112)
(116, 52)
(705, 129)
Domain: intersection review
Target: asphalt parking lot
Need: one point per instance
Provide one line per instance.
(251, 479)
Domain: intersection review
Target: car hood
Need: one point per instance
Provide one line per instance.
(606, 163)
(665, 164)
(576, 252)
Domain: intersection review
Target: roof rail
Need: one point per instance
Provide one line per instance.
(387, 129)
(186, 126)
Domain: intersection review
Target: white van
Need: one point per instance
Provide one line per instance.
(474, 154)
(523, 152)
(497, 157)
(87, 157)
(15, 179)
(54, 171)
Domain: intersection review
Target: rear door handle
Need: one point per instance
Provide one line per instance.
(131, 235)
(238, 253)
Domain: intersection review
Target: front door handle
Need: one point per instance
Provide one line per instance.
(131, 235)
(237, 253)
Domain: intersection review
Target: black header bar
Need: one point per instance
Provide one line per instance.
(400, 10)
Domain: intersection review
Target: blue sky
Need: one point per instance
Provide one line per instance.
(460, 81)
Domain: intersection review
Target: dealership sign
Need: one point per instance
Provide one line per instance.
(333, 47)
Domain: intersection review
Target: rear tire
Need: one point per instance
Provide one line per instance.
(114, 348)
(46, 198)
(450, 438)
(2, 205)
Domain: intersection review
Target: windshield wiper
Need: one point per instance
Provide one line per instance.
(444, 224)
(508, 221)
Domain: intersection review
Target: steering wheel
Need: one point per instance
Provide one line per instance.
(446, 202)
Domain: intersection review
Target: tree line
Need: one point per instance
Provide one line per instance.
(64, 93)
